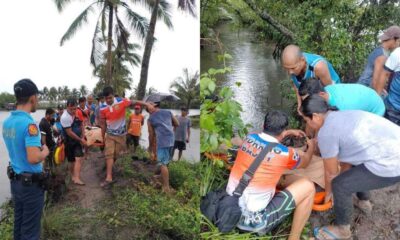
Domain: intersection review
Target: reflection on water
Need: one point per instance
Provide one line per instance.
(254, 67)
(192, 153)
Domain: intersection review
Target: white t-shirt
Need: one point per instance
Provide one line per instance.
(66, 120)
(358, 137)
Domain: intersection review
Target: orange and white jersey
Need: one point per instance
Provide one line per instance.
(115, 116)
(261, 189)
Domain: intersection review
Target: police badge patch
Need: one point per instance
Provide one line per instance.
(33, 130)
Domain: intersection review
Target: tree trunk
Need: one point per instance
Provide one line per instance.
(188, 103)
(266, 17)
(109, 44)
(147, 53)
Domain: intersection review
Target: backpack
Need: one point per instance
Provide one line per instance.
(223, 209)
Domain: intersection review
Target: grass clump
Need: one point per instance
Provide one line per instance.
(6, 221)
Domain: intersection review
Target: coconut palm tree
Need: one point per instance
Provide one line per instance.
(45, 92)
(66, 93)
(187, 88)
(160, 11)
(59, 94)
(52, 94)
(75, 93)
(121, 72)
(83, 91)
(108, 12)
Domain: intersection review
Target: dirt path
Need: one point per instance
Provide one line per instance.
(384, 222)
(91, 193)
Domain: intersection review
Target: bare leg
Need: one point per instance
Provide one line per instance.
(76, 178)
(180, 154)
(71, 168)
(134, 148)
(303, 192)
(165, 178)
(109, 165)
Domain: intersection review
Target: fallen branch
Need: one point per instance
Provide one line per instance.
(268, 18)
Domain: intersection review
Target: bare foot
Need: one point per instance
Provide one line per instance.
(78, 182)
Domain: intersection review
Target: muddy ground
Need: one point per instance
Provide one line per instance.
(384, 222)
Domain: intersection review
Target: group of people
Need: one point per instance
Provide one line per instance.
(31, 146)
(354, 128)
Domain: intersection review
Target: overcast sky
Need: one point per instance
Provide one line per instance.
(30, 46)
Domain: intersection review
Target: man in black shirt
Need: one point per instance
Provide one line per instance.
(46, 130)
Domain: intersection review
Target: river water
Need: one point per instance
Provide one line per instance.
(253, 65)
(192, 153)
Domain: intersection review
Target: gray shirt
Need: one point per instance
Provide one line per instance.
(181, 130)
(358, 137)
(161, 121)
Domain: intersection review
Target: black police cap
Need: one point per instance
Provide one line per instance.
(25, 88)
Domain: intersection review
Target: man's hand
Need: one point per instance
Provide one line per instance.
(187, 140)
(83, 141)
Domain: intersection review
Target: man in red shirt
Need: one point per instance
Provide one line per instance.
(113, 126)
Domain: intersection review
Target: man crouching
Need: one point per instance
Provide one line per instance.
(262, 207)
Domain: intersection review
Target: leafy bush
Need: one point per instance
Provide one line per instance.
(6, 221)
(183, 177)
(219, 112)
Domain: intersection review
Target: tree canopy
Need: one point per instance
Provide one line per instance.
(343, 31)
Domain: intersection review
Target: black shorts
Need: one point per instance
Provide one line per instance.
(73, 150)
(133, 140)
(277, 210)
(180, 145)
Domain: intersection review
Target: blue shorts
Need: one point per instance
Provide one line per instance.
(164, 155)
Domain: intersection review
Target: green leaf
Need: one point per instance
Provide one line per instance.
(211, 86)
(214, 141)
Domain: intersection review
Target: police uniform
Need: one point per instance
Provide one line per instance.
(19, 132)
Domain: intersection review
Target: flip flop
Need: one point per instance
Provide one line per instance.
(329, 233)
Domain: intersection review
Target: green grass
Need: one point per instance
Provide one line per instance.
(6, 221)
(134, 209)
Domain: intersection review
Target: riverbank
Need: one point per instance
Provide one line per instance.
(132, 208)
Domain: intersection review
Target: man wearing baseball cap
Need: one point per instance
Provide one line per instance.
(22, 138)
(392, 69)
(371, 76)
(135, 123)
(390, 41)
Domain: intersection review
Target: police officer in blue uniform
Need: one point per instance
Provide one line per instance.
(22, 138)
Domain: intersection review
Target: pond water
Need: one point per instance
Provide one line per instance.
(192, 153)
(253, 65)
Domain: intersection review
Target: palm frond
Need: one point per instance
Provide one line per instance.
(104, 21)
(137, 23)
(61, 4)
(97, 44)
(78, 23)
(188, 6)
(122, 33)
(164, 13)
